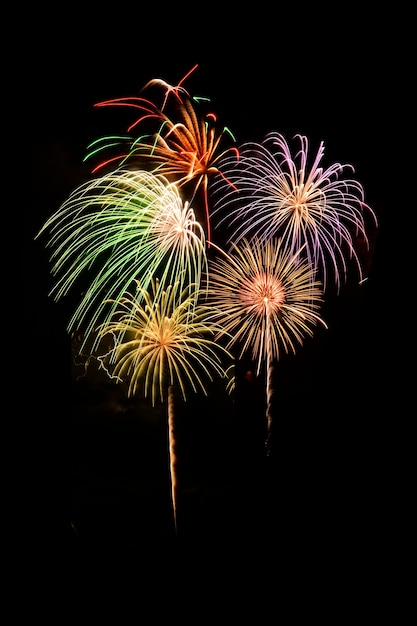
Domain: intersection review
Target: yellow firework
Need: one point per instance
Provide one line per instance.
(168, 340)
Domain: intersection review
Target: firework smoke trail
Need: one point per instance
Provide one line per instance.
(122, 227)
(180, 144)
(267, 300)
(269, 389)
(270, 193)
(172, 448)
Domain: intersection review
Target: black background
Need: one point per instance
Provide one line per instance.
(96, 482)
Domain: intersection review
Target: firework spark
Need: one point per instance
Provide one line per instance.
(274, 194)
(119, 228)
(168, 341)
(266, 298)
(182, 145)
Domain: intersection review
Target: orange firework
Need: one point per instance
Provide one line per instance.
(182, 145)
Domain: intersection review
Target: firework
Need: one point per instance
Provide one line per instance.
(181, 144)
(122, 227)
(168, 341)
(274, 194)
(265, 298)
(267, 301)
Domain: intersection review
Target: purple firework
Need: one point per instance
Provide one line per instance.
(274, 193)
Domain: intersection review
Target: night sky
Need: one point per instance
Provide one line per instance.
(98, 479)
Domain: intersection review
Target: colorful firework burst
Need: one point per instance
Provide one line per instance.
(122, 227)
(265, 297)
(168, 340)
(274, 194)
(182, 145)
